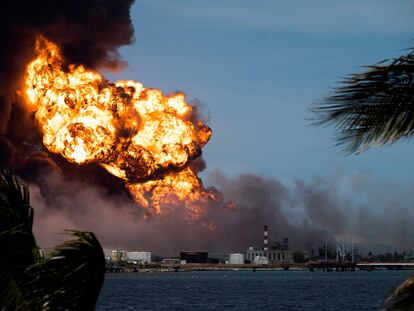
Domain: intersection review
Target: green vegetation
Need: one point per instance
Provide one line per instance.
(70, 278)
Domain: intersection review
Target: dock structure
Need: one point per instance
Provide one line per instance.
(369, 266)
(331, 265)
(114, 269)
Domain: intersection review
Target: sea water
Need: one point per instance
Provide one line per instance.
(248, 290)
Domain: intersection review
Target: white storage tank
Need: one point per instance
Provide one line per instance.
(142, 257)
(236, 259)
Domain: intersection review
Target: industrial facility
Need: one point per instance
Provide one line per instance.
(115, 255)
(194, 257)
(272, 255)
(273, 252)
(236, 259)
(139, 257)
(135, 257)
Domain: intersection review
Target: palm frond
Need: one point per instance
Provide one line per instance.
(403, 297)
(15, 206)
(19, 251)
(10, 294)
(70, 278)
(375, 107)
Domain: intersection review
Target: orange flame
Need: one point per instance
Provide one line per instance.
(137, 134)
(184, 187)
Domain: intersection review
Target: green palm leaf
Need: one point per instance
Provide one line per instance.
(15, 207)
(19, 249)
(403, 297)
(70, 278)
(372, 108)
(10, 294)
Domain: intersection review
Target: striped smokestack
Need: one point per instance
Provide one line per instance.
(265, 239)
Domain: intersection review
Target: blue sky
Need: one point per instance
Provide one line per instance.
(259, 65)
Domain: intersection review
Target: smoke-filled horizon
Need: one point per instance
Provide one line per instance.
(69, 196)
(305, 213)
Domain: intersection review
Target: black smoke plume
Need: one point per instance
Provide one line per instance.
(66, 195)
(89, 33)
(378, 218)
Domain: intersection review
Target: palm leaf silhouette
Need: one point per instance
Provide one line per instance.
(70, 278)
(375, 107)
(403, 297)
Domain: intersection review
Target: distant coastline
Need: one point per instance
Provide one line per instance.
(242, 267)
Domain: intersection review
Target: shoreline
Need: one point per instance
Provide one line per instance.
(235, 268)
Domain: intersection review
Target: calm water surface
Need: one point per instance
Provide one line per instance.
(246, 290)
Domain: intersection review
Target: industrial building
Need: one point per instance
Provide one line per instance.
(139, 257)
(274, 252)
(124, 256)
(115, 255)
(194, 257)
(236, 259)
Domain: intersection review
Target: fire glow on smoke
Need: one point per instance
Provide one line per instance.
(140, 135)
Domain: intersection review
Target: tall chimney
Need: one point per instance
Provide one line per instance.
(265, 239)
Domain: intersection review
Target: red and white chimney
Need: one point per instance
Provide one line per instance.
(265, 239)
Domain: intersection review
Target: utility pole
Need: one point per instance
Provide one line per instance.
(352, 248)
(326, 247)
(337, 251)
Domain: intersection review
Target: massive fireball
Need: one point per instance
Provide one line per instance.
(137, 134)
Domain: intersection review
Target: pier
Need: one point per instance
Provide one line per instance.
(369, 266)
(331, 265)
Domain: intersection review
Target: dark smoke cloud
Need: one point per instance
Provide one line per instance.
(376, 214)
(379, 218)
(89, 33)
(121, 224)
(66, 195)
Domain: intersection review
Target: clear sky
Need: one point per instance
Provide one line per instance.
(259, 65)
